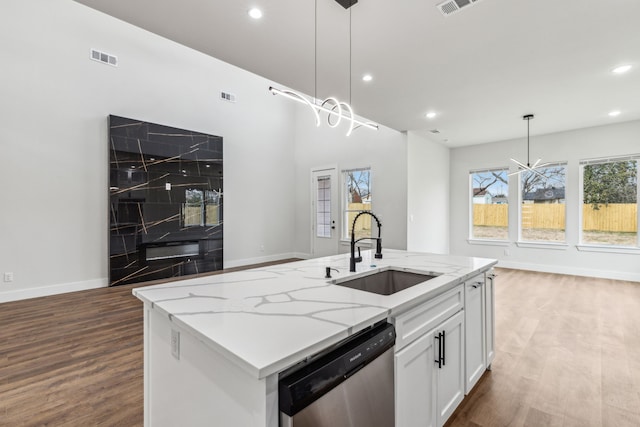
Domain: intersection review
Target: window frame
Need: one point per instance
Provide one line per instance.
(479, 240)
(543, 243)
(345, 233)
(611, 248)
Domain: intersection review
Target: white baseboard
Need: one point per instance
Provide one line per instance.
(43, 291)
(574, 271)
(260, 260)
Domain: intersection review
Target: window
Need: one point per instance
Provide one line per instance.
(490, 206)
(543, 206)
(610, 201)
(323, 206)
(201, 207)
(356, 198)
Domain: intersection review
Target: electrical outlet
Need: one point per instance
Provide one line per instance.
(507, 252)
(8, 276)
(261, 248)
(175, 344)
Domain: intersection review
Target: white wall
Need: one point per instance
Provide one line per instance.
(53, 139)
(385, 151)
(571, 146)
(428, 195)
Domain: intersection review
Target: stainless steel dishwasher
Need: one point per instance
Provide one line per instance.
(350, 386)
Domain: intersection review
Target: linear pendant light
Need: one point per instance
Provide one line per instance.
(528, 166)
(332, 106)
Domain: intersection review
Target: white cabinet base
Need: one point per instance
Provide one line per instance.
(201, 388)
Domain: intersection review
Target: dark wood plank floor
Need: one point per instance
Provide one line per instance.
(568, 354)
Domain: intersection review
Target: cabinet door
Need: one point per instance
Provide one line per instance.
(474, 331)
(450, 378)
(490, 320)
(415, 383)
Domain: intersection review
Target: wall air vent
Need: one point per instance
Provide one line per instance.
(226, 96)
(103, 57)
(450, 7)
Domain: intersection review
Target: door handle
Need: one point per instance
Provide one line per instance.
(439, 359)
(444, 357)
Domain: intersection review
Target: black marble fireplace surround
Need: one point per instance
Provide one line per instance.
(165, 202)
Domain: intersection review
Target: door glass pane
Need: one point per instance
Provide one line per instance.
(323, 207)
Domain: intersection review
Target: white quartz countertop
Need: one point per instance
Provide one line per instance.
(267, 319)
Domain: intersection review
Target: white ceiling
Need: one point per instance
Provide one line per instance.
(480, 69)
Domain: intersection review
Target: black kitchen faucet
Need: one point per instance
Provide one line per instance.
(353, 260)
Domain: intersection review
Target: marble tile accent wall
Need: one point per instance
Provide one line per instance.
(166, 201)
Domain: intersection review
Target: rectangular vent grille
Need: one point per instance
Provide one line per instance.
(226, 96)
(450, 7)
(103, 57)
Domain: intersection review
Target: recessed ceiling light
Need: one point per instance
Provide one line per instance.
(255, 13)
(431, 115)
(621, 69)
(614, 113)
(367, 77)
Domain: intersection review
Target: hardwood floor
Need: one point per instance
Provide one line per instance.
(73, 359)
(568, 354)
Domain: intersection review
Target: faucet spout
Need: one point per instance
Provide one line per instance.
(378, 255)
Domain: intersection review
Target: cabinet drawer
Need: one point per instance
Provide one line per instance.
(419, 320)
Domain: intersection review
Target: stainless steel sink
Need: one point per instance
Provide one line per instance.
(386, 282)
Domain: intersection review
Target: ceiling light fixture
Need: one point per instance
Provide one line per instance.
(621, 69)
(528, 166)
(255, 13)
(332, 106)
(614, 113)
(367, 77)
(431, 115)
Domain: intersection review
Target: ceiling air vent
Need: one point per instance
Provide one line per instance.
(226, 96)
(450, 7)
(103, 57)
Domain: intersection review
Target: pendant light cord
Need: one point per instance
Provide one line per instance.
(528, 121)
(315, 53)
(350, 77)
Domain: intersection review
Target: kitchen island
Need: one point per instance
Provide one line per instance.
(214, 346)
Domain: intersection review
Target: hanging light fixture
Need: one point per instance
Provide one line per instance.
(339, 110)
(528, 166)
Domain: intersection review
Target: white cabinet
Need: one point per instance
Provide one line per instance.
(450, 377)
(490, 320)
(430, 368)
(415, 383)
(474, 313)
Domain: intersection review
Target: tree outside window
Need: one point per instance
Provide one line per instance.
(490, 204)
(610, 202)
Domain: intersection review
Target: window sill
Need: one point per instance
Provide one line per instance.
(488, 242)
(609, 249)
(543, 245)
